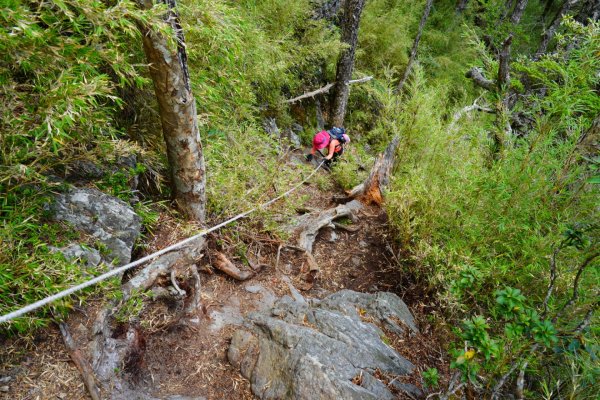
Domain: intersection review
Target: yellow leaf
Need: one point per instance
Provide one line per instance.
(470, 354)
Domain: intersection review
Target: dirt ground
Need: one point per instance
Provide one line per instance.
(190, 359)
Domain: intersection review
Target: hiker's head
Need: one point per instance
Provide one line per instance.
(321, 140)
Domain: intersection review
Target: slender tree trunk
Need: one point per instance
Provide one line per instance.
(547, 8)
(518, 11)
(551, 30)
(177, 109)
(461, 5)
(413, 51)
(508, 6)
(345, 65)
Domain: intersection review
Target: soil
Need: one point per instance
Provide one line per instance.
(185, 358)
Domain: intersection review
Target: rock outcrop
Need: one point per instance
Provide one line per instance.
(108, 220)
(328, 349)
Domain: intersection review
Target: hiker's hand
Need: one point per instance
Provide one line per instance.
(327, 162)
(309, 157)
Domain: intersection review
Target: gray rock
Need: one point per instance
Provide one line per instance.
(298, 350)
(293, 138)
(75, 251)
(109, 220)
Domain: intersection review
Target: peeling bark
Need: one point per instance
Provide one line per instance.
(370, 191)
(351, 20)
(177, 109)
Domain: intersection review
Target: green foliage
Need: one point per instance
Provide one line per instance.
(431, 377)
(483, 230)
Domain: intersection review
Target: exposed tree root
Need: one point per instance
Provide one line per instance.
(223, 264)
(80, 362)
(311, 223)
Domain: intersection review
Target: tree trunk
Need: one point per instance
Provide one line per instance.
(371, 190)
(551, 30)
(345, 65)
(518, 11)
(461, 5)
(591, 10)
(547, 8)
(177, 109)
(413, 51)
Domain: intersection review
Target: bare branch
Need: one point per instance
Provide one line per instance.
(477, 76)
(587, 320)
(575, 296)
(552, 280)
(326, 89)
(473, 107)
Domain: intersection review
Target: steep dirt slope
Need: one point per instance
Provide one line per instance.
(178, 357)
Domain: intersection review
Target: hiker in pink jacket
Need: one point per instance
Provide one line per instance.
(334, 139)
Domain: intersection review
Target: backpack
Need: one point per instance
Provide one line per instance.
(338, 134)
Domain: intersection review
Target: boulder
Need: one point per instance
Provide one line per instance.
(328, 349)
(75, 251)
(110, 221)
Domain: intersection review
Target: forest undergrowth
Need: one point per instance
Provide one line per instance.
(495, 206)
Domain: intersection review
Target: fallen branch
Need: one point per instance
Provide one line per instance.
(473, 107)
(370, 190)
(223, 264)
(81, 363)
(575, 295)
(325, 89)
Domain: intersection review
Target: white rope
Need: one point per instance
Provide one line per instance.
(34, 306)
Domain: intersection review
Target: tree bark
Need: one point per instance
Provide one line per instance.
(477, 76)
(518, 11)
(461, 5)
(371, 190)
(504, 63)
(413, 51)
(591, 10)
(177, 109)
(551, 30)
(351, 21)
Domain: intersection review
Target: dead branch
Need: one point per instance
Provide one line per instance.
(521, 382)
(312, 263)
(80, 362)
(325, 89)
(476, 74)
(496, 390)
(223, 264)
(370, 191)
(575, 295)
(473, 107)
(552, 280)
(587, 320)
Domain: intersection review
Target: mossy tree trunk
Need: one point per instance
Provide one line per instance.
(177, 109)
(350, 23)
